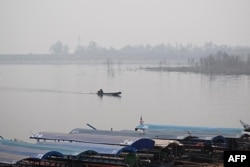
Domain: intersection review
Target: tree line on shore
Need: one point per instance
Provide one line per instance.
(140, 52)
(219, 63)
(209, 58)
(222, 63)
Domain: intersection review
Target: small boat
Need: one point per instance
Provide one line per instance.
(101, 93)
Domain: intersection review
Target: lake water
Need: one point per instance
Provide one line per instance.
(58, 98)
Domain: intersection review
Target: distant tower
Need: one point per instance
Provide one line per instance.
(141, 121)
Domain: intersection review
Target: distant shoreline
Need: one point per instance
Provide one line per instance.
(220, 63)
(163, 53)
(217, 64)
(196, 70)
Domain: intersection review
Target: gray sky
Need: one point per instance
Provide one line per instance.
(32, 26)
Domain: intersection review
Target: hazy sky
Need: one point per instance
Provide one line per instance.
(32, 26)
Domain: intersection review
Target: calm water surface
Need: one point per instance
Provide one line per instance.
(58, 98)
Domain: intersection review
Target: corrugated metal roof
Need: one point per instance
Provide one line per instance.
(156, 134)
(12, 151)
(79, 147)
(136, 142)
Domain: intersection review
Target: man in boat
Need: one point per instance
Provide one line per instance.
(100, 92)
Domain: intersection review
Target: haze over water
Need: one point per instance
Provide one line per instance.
(59, 98)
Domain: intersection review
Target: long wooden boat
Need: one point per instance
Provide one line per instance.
(101, 93)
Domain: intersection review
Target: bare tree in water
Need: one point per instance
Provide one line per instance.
(109, 67)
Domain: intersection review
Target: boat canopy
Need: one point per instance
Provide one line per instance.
(138, 143)
(155, 134)
(81, 148)
(12, 152)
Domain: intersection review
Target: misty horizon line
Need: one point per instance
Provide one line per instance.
(177, 45)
